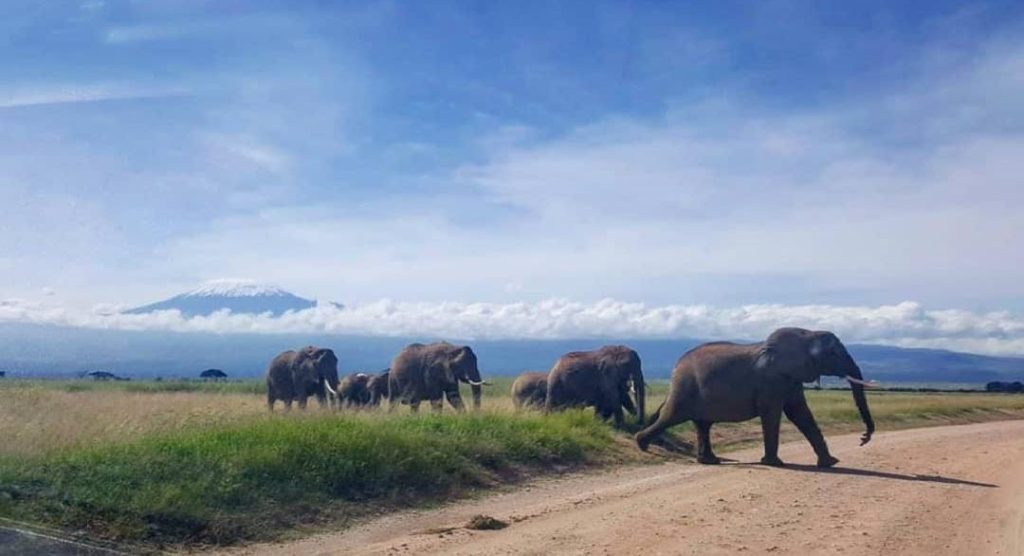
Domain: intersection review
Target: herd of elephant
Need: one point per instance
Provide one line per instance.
(711, 383)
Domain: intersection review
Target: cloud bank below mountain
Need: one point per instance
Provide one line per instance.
(906, 324)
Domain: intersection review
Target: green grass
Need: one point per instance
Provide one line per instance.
(253, 480)
(203, 463)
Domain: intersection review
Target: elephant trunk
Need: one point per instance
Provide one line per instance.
(475, 386)
(857, 387)
(476, 389)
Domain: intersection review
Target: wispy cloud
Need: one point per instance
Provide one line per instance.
(83, 93)
(906, 324)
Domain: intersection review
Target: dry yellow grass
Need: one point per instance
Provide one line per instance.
(37, 420)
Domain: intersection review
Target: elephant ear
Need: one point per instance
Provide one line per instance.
(324, 355)
(765, 358)
(613, 365)
(787, 352)
(821, 344)
(460, 357)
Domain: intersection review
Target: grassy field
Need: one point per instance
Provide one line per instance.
(204, 463)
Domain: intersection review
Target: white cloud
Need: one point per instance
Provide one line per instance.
(906, 324)
(80, 93)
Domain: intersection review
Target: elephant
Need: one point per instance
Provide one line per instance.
(432, 372)
(353, 391)
(530, 389)
(728, 382)
(600, 378)
(378, 387)
(294, 375)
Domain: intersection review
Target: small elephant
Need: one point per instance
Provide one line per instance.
(378, 387)
(433, 372)
(353, 391)
(727, 382)
(295, 375)
(602, 379)
(530, 389)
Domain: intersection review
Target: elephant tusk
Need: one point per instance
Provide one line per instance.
(478, 383)
(329, 389)
(852, 380)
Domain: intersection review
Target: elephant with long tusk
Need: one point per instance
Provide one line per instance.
(433, 372)
(295, 375)
(727, 382)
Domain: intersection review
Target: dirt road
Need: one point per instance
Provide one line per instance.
(946, 490)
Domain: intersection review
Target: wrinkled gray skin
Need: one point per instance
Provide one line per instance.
(433, 372)
(296, 375)
(378, 387)
(353, 391)
(530, 389)
(726, 382)
(600, 379)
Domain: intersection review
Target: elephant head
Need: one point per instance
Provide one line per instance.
(621, 372)
(460, 366)
(806, 355)
(317, 365)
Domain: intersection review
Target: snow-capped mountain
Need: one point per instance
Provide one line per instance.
(237, 296)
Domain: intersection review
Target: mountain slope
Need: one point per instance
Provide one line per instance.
(237, 296)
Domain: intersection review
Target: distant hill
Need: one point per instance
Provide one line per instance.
(43, 350)
(237, 296)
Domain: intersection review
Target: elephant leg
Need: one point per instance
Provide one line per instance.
(799, 413)
(704, 453)
(618, 416)
(414, 406)
(455, 400)
(664, 419)
(392, 404)
(288, 405)
(437, 405)
(270, 402)
(771, 418)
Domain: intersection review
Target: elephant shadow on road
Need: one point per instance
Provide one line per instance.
(915, 477)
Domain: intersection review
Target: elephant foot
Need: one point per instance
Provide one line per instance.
(641, 443)
(827, 461)
(708, 459)
(772, 461)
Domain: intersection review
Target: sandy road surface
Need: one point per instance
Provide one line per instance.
(945, 490)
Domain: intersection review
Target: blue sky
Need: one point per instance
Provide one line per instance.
(842, 154)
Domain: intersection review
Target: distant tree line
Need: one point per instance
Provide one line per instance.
(1015, 387)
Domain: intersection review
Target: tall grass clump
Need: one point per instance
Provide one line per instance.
(255, 479)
